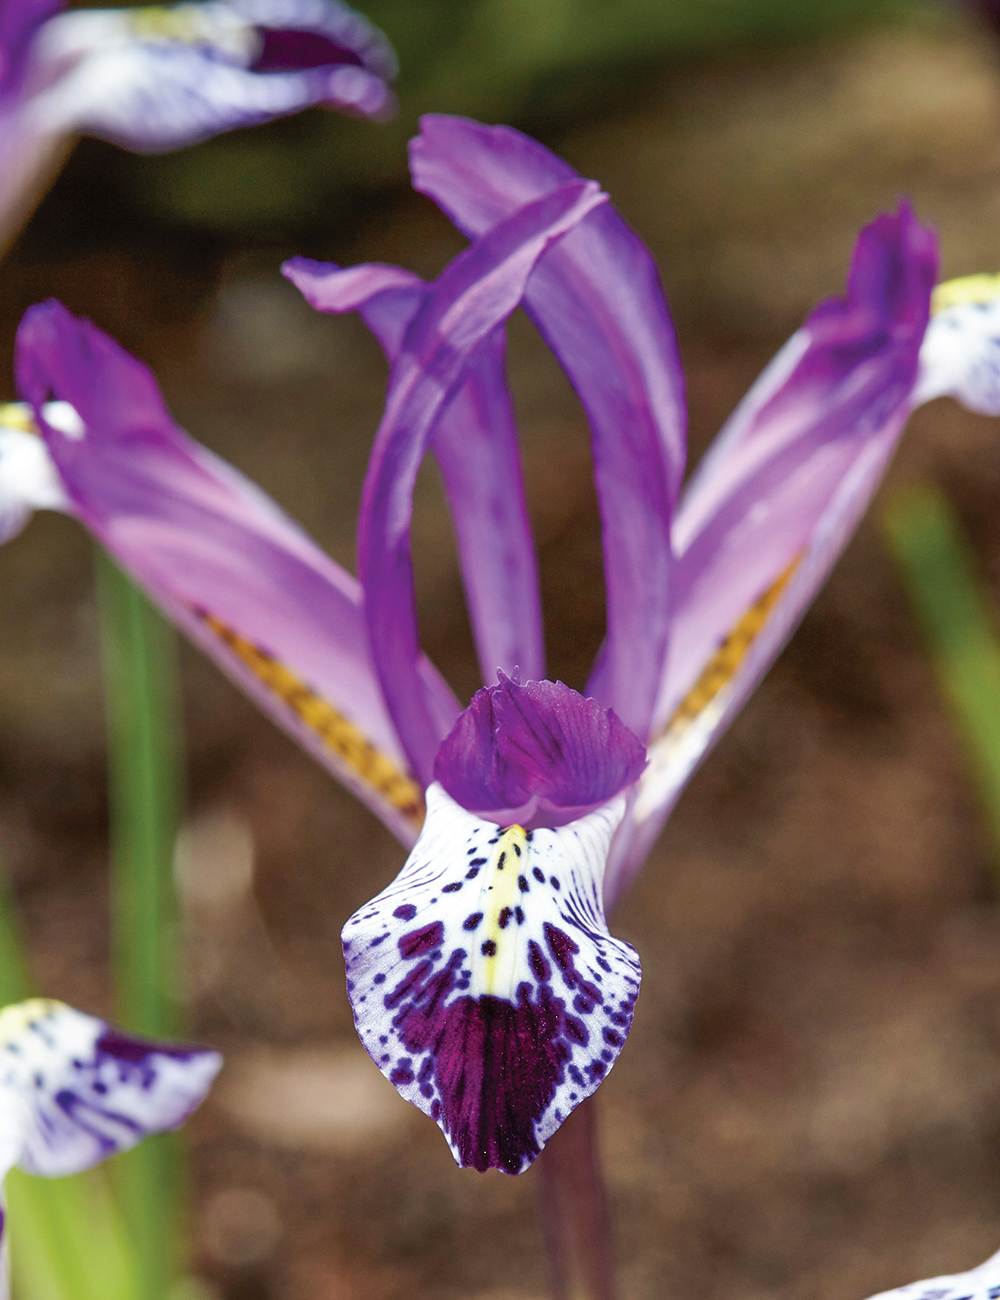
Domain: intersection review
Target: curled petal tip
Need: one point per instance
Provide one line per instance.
(485, 984)
(536, 748)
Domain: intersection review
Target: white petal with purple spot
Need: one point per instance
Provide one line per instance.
(980, 1283)
(74, 1091)
(960, 354)
(484, 982)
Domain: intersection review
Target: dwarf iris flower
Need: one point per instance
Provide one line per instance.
(156, 79)
(74, 1091)
(484, 980)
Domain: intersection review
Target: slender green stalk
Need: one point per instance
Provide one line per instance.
(959, 624)
(574, 1210)
(145, 782)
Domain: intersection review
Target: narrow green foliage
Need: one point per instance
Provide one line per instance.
(958, 622)
(145, 782)
(68, 1239)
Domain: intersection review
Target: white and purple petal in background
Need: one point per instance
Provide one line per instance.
(162, 78)
(74, 1091)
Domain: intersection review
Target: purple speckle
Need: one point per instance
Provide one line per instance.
(406, 912)
(417, 942)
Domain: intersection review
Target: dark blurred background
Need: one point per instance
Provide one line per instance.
(809, 1105)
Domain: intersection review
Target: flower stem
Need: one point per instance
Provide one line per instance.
(146, 789)
(574, 1210)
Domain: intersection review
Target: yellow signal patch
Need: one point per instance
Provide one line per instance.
(337, 733)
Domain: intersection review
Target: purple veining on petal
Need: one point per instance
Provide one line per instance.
(501, 1000)
(522, 751)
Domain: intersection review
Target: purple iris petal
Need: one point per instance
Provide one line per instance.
(475, 443)
(205, 542)
(518, 749)
(830, 419)
(473, 296)
(842, 382)
(19, 21)
(597, 300)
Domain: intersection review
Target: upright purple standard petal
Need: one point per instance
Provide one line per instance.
(474, 295)
(484, 982)
(597, 300)
(536, 751)
(776, 501)
(222, 561)
(82, 1091)
(475, 443)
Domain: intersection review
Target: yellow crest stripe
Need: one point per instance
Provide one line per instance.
(721, 667)
(341, 736)
(967, 289)
(17, 415)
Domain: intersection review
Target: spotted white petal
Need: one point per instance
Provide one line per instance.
(980, 1283)
(960, 355)
(158, 79)
(73, 1091)
(484, 982)
(28, 478)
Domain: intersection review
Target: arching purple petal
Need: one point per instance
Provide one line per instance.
(82, 1091)
(980, 1283)
(843, 382)
(597, 300)
(524, 752)
(475, 443)
(484, 982)
(222, 560)
(473, 296)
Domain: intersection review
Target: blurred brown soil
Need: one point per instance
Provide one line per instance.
(809, 1104)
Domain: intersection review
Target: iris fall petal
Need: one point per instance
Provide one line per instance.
(484, 982)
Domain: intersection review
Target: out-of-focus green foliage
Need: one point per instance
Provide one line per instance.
(959, 625)
(532, 63)
(144, 750)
